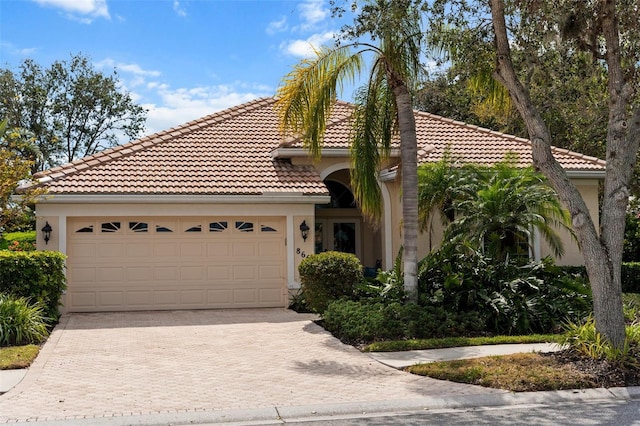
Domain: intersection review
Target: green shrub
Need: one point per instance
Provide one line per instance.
(585, 340)
(21, 322)
(364, 322)
(35, 275)
(509, 297)
(631, 277)
(329, 276)
(18, 241)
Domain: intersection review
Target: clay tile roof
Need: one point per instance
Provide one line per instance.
(228, 153)
(466, 143)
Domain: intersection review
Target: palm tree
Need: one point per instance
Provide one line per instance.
(383, 108)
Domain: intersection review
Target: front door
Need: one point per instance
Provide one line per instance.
(338, 234)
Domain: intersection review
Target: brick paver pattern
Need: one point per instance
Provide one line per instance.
(106, 364)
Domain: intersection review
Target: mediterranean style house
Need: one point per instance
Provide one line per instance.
(219, 212)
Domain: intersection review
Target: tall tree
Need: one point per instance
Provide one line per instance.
(72, 109)
(606, 30)
(383, 107)
(14, 170)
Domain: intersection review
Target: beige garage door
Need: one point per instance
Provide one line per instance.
(148, 263)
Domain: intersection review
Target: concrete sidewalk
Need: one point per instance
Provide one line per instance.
(407, 358)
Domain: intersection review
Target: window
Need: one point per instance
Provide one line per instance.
(197, 228)
(265, 228)
(217, 226)
(139, 226)
(111, 227)
(160, 228)
(86, 229)
(244, 226)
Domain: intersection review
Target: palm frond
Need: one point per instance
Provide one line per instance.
(307, 95)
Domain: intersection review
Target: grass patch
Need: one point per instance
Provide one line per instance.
(14, 357)
(453, 342)
(518, 373)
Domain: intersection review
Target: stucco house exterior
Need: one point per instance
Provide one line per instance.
(210, 214)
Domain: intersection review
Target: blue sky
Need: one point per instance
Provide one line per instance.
(180, 59)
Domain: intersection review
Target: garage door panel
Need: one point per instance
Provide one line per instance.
(270, 295)
(144, 249)
(244, 249)
(82, 250)
(166, 273)
(82, 300)
(165, 249)
(110, 274)
(219, 297)
(192, 297)
(166, 297)
(109, 250)
(139, 273)
(82, 275)
(219, 249)
(267, 272)
(192, 273)
(175, 263)
(111, 299)
(218, 272)
(245, 272)
(139, 298)
(194, 249)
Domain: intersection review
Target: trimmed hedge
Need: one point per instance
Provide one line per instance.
(36, 275)
(630, 275)
(356, 322)
(329, 276)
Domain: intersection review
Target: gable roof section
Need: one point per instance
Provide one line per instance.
(226, 153)
(239, 151)
(466, 143)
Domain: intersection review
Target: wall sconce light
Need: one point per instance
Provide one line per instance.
(304, 230)
(46, 232)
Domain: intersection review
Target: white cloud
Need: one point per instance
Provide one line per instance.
(179, 9)
(305, 48)
(312, 12)
(84, 11)
(277, 26)
(19, 51)
(178, 106)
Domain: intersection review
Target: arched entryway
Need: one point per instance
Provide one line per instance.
(340, 226)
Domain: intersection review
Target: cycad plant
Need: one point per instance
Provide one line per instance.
(499, 210)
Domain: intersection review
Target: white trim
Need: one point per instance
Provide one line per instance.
(268, 198)
(334, 168)
(387, 227)
(290, 250)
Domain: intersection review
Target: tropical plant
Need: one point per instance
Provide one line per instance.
(498, 210)
(21, 322)
(606, 32)
(383, 108)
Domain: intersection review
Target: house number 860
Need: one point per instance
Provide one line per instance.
(301, 253)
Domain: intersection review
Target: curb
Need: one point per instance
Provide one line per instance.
(282, 415)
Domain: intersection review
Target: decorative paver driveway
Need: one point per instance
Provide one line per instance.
(101, 365)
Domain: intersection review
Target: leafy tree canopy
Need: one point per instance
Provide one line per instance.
(71, 109)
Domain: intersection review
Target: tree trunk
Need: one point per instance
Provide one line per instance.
(602, 254)
(409, 165)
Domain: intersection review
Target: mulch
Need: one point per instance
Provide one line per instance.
(602, 372)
